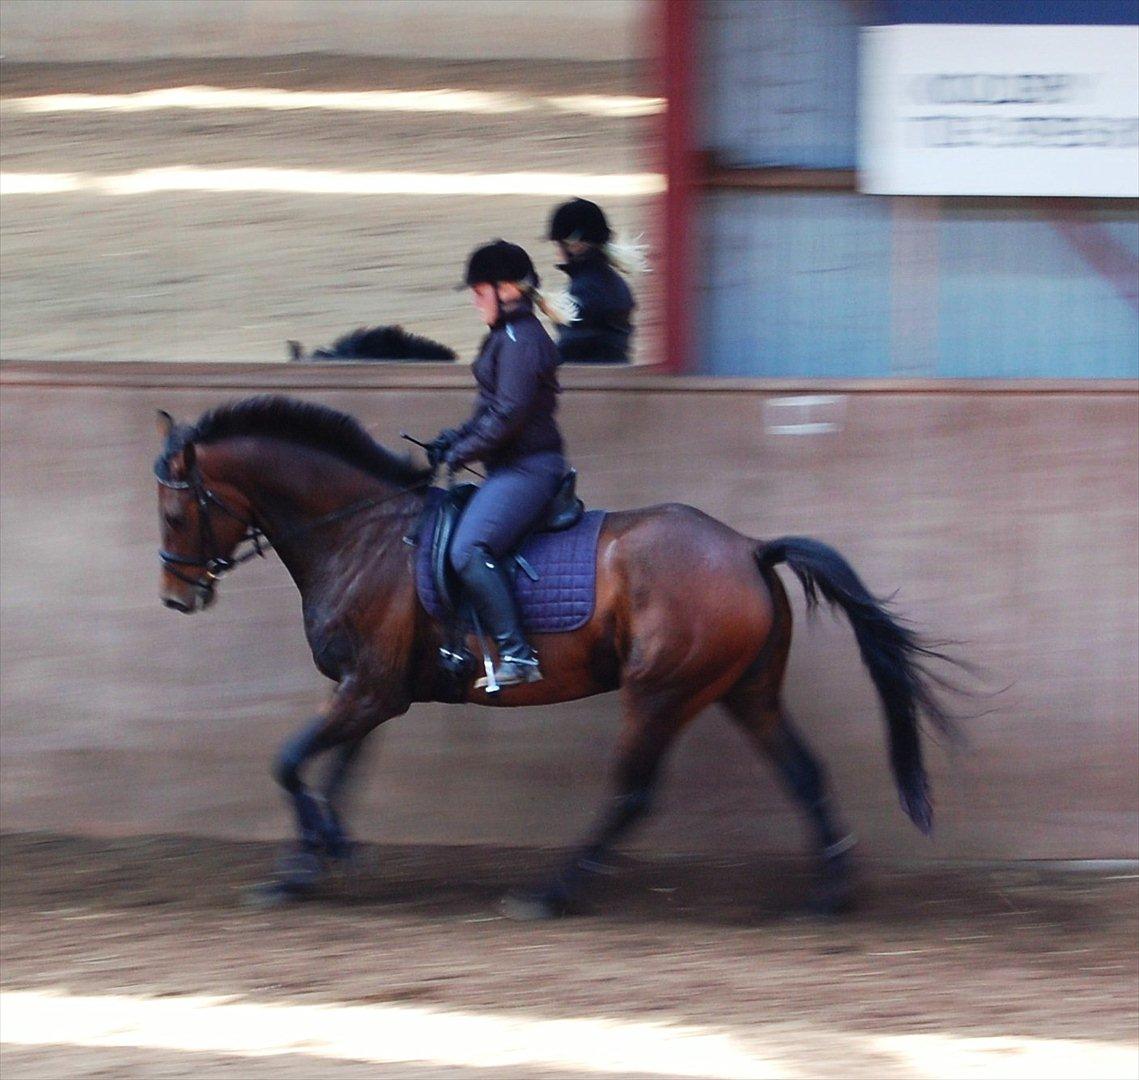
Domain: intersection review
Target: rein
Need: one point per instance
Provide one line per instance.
(216, 565)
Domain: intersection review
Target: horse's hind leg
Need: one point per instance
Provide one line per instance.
(648, 732)
(758, 710)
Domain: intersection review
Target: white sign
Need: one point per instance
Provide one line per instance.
(999, 110)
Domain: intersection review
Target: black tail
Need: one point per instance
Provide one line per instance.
(891, 652)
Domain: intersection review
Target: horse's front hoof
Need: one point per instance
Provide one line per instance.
(298, 875)
(535, 907)
(274, 894)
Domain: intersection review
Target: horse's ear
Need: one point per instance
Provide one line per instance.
(165, 424)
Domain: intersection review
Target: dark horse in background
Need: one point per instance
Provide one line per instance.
(374, 343)
(688, 613)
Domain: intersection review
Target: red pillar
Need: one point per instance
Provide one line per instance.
(678, 57)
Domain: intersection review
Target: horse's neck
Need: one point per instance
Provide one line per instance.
(296, 496)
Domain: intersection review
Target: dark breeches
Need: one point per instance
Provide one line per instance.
(507, 506)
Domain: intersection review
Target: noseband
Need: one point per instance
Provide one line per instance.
(210, 561)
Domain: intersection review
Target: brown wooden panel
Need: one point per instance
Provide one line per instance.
(1006, 519)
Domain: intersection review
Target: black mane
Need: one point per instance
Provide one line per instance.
(318, 427)
(376, 343)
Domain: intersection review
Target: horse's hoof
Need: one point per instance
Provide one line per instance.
(535, 907)
(831, 900)
(345, 875)
(298, 875)
(339, 849)
(274, 894)
(833, 893)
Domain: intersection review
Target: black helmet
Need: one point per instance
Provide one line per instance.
(580, 219)
(500, 261)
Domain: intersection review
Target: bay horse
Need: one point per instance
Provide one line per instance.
(688, 612)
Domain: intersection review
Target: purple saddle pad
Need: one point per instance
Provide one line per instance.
(566, 564)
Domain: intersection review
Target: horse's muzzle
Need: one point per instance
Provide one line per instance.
(198, 599)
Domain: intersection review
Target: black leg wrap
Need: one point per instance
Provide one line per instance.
(805, 779)
(336, 841)
(293, 755)
(833, 892)
(311, 824)
(561, 896)
(626, 809)
(565, 889)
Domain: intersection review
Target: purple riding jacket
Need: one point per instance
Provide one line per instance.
(517, 375)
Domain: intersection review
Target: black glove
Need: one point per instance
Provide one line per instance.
(452, 461)
(437, 448)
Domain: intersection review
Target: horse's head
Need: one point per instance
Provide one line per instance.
(200, 529)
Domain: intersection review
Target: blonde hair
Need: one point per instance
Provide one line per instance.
(628, 256)
(561, 309)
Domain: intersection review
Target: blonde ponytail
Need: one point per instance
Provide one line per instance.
(561, 309)
(629, 256)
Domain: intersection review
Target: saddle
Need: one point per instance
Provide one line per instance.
(564, 511)
(434, 536)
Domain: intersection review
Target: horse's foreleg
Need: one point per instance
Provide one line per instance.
(344, 760)
(771, 731)
(320, 832)
(303, 868)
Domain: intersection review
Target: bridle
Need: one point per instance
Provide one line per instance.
(209, 561)
(213, 564)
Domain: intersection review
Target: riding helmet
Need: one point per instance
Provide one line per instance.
(580, 219)
(500, 261)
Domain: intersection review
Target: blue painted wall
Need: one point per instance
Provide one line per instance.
(780, 82)
(837, 285)
(817, 285)
(1018, 296)
(796, 285)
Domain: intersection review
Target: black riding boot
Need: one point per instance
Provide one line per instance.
(489, 590)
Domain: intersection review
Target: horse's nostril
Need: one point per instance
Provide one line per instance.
(177, 605)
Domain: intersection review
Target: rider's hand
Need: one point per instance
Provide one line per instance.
(438, 447)
(452, 460)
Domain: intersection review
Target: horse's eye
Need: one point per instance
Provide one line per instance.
(173, 520)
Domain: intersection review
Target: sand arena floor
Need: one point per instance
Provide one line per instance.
(685, 967)
(231, 275)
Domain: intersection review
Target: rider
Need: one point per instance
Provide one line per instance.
(513, 432)
(605, 302)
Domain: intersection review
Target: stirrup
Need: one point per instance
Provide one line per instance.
(512, 671)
